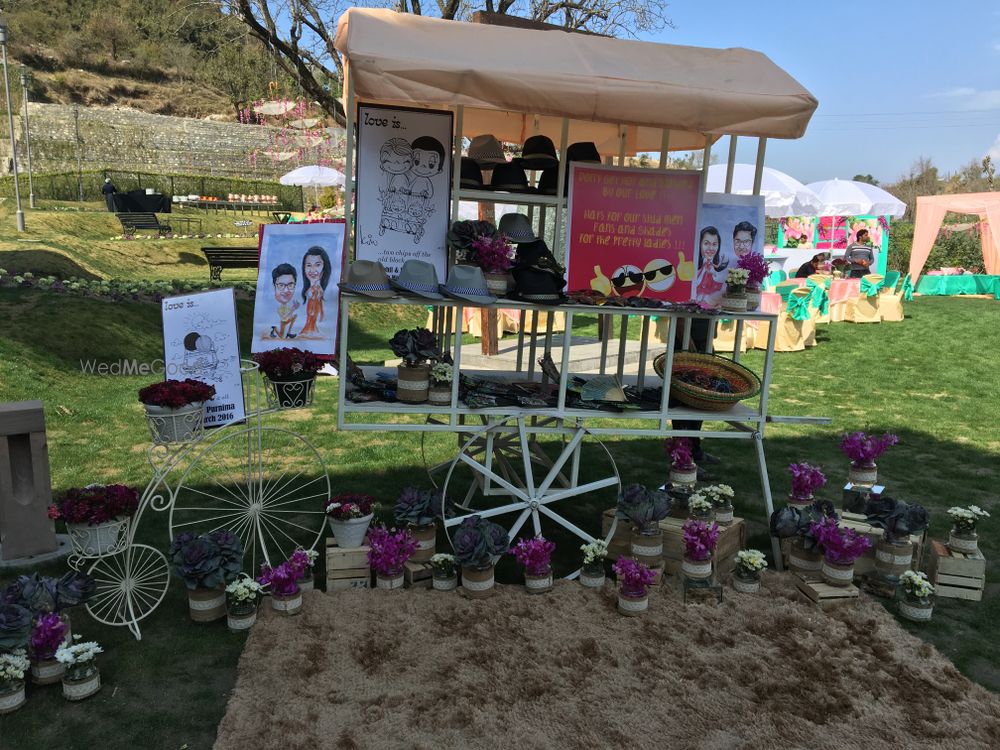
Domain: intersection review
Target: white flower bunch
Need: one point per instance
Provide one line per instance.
(719, 495)
(737, 276)
(750, 560)
(443, 563)
(13, 665)
(442, 372)
(965, 519)
(916, 584)
(78, 653)
(698, 503)
(244, 589)
(594, 551)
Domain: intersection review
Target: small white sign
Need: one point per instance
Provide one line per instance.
(200, 341)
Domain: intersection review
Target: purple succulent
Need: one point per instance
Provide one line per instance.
(15, 626)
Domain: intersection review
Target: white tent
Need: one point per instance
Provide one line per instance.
(313, 176)
(783, 194)
(850, 198)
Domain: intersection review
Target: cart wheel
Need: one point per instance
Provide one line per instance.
(265, 484)
(534, 495)
(130, 585)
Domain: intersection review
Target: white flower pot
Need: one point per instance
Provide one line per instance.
(837, 575)
(753, 299)
(99, 539)
(863, 476)
(684, 476)
(207, 605)
(11, 696)
(696, 569)
(384, 582)
(77, 690)
(350, 533)
(724, 516)
(746, 585)
(538, 584)
(915, 611)
(439, 395)
(181, 425)
(287, 605)
(478, 582)
(47, 672)
(966, 542)
(592, 582)
(632, 606)
(445, 584)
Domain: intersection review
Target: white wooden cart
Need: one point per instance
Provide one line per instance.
(626, 97)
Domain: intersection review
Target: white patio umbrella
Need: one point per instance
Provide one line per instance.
(850, 198)
(314, 176)
(783, 194)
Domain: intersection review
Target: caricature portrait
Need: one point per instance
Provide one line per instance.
(315, 277)
(200, 357)
(284, 279)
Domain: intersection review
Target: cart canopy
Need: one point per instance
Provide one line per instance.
(518, 82)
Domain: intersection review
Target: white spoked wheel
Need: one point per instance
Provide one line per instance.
(267, 485)
(130, 585)
(534, 496)
(506, 459)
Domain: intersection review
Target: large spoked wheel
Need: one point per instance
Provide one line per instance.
(264, 484)
(561, 513)
(130, 585)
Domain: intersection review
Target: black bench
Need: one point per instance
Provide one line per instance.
(142, 220)
(228, 257)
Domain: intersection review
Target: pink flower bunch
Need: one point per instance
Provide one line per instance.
(863, 449)
(95, 504)
(349, 505)
(302, 561)
(176, 393)
(806, 479)
(699, 539)
(390, 550)
(679, 450)
(534, 555)
(493, 254)
(47, 636)
(840, 546)
(633, 576)
(756, 265)
(282, 580)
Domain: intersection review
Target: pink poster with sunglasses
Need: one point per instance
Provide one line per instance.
(631, 232)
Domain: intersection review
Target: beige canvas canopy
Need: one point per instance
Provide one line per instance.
(931, 210)
(517, 82)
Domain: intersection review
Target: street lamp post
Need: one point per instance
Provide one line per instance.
(10, 125)
(25, 76)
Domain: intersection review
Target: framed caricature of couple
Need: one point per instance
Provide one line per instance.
(729, 226)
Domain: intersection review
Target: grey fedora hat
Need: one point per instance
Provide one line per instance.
(418, 277)
(367, 277)
(468, 283)
(486, 151)
(516, 228)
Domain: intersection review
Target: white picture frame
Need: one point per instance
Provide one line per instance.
(403, 186)
(723, 212)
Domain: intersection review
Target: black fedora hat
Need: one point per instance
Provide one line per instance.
(509, 178)
(538, 277)
(549, 181)
(538, 152)
(585, 151)
(472, 175)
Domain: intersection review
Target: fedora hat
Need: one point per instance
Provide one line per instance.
(516, 228)
(367, 277)
(584, 151)
(418, 277)
(538, 277)
(549, 181)
(468, 283)
(486, 151)
(472, 175)
(509, 178)
(538, 152)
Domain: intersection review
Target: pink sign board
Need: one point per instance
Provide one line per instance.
(631, 232)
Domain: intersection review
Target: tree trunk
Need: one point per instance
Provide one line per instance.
(488, 317)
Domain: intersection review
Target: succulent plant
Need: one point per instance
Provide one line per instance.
(897, 519)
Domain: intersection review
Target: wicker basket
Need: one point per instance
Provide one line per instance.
(745, 383)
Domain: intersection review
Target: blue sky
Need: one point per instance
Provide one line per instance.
(895, 80)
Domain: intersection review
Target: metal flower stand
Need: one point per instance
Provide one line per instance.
(263, 483)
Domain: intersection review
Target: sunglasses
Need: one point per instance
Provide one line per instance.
(636, 277)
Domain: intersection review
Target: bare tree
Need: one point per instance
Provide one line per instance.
(300, 33)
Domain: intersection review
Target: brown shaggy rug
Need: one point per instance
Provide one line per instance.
(422, 669)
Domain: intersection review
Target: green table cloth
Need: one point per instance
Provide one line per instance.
(965, 284)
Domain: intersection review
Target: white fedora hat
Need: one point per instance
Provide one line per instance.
(468, 283)
(418, 277)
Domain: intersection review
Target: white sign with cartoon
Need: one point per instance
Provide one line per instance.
(296, 301)
(200, 341)
(728, 226)
(403, 187)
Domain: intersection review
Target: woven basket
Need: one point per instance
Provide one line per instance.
(745, 383)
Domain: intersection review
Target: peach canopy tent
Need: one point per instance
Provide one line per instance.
(931, 210)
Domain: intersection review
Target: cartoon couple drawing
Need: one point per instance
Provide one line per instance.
(710, 281)
(406, 196)
(316, 276)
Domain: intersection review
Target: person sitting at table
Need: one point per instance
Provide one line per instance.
(811, 266)
(859, 254)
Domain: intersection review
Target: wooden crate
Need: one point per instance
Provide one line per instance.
(417, 574)
(956, 575)
(346, 567)
(732, 539)
(825, 596)
(866, 563)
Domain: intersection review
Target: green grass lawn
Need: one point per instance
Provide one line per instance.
(930, 379)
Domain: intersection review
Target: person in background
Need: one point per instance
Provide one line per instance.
(860, 256)
(108, 189)
(811, 266)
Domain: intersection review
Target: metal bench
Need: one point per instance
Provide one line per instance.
(142, 220)
(228, 257)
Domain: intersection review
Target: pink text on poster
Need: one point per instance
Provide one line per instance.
(631, 231)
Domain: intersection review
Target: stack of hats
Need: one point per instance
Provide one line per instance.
(538, 154)
(538, 277)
